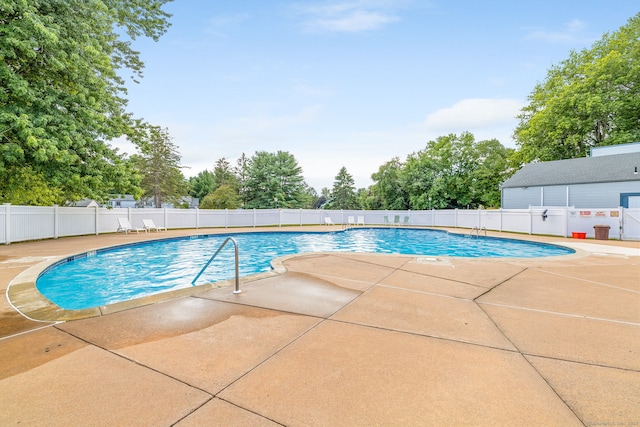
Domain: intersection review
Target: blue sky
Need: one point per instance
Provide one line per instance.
(352, 83)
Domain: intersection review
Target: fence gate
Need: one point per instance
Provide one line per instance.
(631, 224)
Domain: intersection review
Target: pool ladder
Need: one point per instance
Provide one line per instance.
(235, 244)
(478, 230)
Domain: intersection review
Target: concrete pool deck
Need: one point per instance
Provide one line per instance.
(342, 339)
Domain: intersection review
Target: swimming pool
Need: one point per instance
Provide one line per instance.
(131, 271)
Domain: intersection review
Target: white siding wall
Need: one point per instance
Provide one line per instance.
(598, 195)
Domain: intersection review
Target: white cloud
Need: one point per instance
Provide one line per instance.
(347, 16)
(475, 113)
(572, 32)
(486, 118)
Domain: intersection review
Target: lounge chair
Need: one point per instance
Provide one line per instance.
(360, 220)
(351, 221)
(150, 225)
(396, 220)
(386, 220)
(328, 221)
(125, 225)
(405, 221)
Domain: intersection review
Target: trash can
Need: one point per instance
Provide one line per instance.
(602, 232)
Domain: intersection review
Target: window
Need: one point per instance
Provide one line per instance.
(630, 200)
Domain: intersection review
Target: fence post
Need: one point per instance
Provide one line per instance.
(96, 219)
(166, 217)
(621, 223)
(530, 220)
(500, 219)
(55, 221)
(226, 218)
(7, 223)
(254, 217)
(479, 218)
(197, 217)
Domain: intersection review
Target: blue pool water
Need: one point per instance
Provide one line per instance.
(131, 271)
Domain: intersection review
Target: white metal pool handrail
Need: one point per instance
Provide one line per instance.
(235, 244)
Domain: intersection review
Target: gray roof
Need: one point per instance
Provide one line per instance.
(584, 170)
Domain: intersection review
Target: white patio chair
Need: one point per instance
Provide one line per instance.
(328, 221)
(125, 225)
(360, 220)
(150, 225)
(351, 221)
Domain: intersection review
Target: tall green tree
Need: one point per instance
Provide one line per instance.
(388, 190)
(366, 199)
(438, 176)
(456, 172)
(62, 97)
(588, 100)
(343, 193)
(242, 175)
(493, 165)
(159, 164)
(202, 184)
(224, 174)
(275, 180)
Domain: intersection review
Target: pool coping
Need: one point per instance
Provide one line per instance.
(23, 295)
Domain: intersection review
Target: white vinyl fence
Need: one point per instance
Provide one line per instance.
(22, 223)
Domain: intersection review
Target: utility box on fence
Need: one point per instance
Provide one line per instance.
(602, 232)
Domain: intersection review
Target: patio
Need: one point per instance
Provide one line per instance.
(342, 339)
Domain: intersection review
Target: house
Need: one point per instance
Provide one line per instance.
(608, 179)
(185, 202)
(85, 203)
(122, 201)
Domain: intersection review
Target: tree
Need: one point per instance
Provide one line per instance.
(492, 168)
(311, 198)
(202, 184)
(26, 187)
(437, 176)
(343, 193)
(365, 199)
(590, 99)
(275, 180)
(224, 197)
(159, 164)
(322, 199)
(62, 94)
(455, 172)
(387, 191)
(223, 174)
(242, 175)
